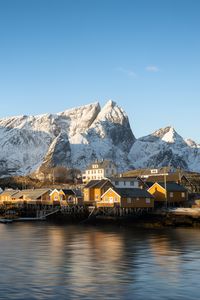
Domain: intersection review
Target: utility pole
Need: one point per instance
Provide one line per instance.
(165, 186)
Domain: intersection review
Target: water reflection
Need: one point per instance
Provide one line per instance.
(43, 261)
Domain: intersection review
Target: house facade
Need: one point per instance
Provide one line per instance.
(99, 170)
(8, 196)
(67, 197)
(126, 198)
(28, 196)
(125, 182)
(171, 193)
(93, 191)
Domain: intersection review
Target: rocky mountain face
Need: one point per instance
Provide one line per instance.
(73, 138)
(165, 147)
(76, 137)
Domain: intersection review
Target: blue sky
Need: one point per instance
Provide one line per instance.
(144, 54)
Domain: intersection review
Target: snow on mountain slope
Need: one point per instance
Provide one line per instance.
(165, 147)
(73, 138)
(109, 136)
(76, 137)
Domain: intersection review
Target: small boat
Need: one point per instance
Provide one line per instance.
(4, 221)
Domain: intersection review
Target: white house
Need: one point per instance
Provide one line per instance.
(99, 170)
(125, 182)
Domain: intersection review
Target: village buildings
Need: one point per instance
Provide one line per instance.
(117, 192)
(57, 197)
(104, 189)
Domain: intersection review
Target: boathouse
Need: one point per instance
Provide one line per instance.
(126, 198)
(93, 191)
(170, 194)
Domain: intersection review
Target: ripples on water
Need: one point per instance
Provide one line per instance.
(44, 261)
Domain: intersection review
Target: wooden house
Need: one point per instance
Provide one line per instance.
(126, 198)
(8, 196)
(34, 197)
(57, 197)
(66, 197)
(73, 196)
(173, 195)
(99, 170)
(93, 191)
(125, 182)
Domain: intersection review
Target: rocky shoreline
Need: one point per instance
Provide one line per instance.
(155, 219)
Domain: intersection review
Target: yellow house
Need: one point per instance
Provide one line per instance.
(93, 191)
(57, 196)
(66, 197)
(73, 196)
(8, 196)
(126, 198)
(173, 194)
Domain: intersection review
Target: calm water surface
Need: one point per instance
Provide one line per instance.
(45, 261)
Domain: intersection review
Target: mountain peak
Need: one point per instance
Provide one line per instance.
(110, 103)
(111, 112)
(191, 143)
(167, 134)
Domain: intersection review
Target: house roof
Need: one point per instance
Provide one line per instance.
(68, 192)
(172, 177)
(9, 192)
(148, 183)
(146, 172)
(123, 178)
(78, 192)
(97, 183)
(33, 193)
(133, 193)
(101, 164)
(91, 183)
(173, 187)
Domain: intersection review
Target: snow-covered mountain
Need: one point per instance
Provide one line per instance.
(76, 137)
(165, 147)
(73, 138)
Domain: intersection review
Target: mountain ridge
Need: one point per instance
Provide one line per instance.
(77, 136)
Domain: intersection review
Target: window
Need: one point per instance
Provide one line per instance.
(97, 197)
(132, 183)
(111, 199)
(88, 171)
(106, 199)
(116, 182)
(137, 198)
(115, 199)
(183, 195)
(148, 201)
(154, 171)
(95, 166)
(128, 200)
(171, 195)
(124, 183)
